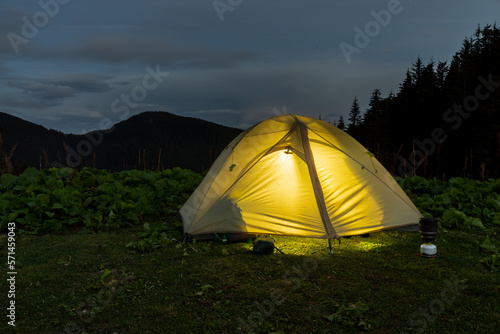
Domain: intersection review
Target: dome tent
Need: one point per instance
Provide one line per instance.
(297, 176)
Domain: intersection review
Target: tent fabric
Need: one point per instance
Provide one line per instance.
(297, 176)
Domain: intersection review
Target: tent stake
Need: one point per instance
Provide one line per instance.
(330, 245)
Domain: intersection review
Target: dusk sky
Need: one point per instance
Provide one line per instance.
(77, 66)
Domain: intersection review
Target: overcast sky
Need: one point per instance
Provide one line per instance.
(77, 66)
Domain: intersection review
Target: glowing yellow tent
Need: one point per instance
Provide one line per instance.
(297, 176)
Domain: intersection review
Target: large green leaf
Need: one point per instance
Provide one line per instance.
(8, 180)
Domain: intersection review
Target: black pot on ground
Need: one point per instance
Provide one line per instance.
(428, 228)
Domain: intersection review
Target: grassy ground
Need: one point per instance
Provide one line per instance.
(92, 283)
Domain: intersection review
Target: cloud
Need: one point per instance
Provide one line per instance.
(153, 50)
(43, 90)
(10, 22)
(62, 87)
(217, 111)
(3, 69)
(245, 86)
(19, 101)
(243, 96)
(89, 83)
(117, 48)
(221, 60)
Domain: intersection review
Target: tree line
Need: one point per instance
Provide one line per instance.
(444, 120)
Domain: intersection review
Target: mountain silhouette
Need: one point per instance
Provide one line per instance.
(150, 140)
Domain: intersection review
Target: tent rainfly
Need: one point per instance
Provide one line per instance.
(297, 176)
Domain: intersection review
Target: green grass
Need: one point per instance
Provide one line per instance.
(92, 283)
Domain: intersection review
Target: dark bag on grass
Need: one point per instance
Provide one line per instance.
(263, 246)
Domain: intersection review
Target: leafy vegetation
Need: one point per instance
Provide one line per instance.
(458, 203)
(55, 200)
(153, 237)
(463, 205)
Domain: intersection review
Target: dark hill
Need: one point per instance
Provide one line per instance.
(22, 143)
(150, 140)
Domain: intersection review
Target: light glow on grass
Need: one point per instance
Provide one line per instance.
(307, 246)
(369, 246)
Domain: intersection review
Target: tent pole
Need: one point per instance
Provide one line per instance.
(330, 245)
(318, 191)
